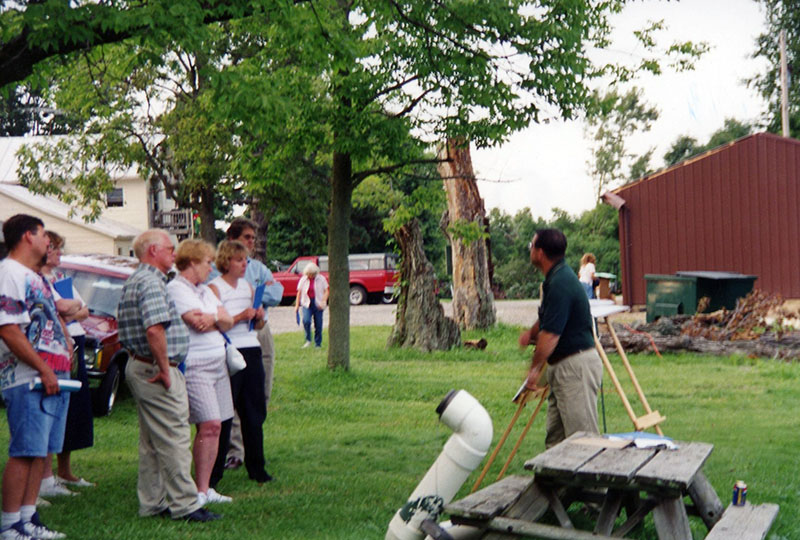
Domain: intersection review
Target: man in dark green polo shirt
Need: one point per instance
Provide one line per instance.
(563, 338)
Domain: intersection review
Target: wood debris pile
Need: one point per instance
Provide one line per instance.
(758, 327)
(756, 314)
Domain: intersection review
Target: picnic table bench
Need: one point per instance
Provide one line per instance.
(593, 470)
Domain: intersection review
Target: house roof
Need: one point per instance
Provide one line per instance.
(52, 207)
(9, 146)
(704, 155)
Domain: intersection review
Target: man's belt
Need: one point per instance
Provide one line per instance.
(556, 358)
(152, 361)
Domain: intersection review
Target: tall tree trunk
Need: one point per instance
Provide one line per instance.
(420, 321)
(206, 210)
(261, 219)
(338, 250)
(473, 302)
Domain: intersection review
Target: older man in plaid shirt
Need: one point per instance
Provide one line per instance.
(152, 330)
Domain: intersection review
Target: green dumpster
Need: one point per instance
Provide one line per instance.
(678, 294)
(722, 288)
(669, 295)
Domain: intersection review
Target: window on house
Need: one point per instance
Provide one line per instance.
(114, 197)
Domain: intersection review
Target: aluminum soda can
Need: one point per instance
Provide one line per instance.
(739, 493)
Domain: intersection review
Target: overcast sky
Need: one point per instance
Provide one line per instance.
(545, 166)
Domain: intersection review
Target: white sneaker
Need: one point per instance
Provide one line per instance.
(202, 499)
(80, 482)
(50, 487)
(16, 532)
(306, 344)
(36, 529)
(41, 502)
(213, 497)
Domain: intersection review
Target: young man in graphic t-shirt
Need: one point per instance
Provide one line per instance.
(33, 343)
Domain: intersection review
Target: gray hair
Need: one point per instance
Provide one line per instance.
(311, 269)
(148, 238)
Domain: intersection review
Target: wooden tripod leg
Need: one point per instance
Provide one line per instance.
(629, 369)
(524, 432)
(632, 375)
(500, 443)
(614, 379)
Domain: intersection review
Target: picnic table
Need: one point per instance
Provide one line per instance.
(607, 476)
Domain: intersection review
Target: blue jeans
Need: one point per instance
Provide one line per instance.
(316, 313)
(589, 290)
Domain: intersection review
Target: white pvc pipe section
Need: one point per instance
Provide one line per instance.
(462, 454)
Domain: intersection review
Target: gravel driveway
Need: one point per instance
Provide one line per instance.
(513, 312)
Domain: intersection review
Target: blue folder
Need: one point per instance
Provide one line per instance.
(257, 297)
(64, 287)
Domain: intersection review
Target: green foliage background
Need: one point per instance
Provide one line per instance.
(595, 231)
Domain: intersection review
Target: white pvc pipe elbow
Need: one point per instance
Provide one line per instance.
(462, 454)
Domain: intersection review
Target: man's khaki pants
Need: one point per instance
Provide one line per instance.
(267, 344)
(572, 404)
(165, 458)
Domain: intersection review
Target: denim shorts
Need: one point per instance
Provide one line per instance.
(36, 421)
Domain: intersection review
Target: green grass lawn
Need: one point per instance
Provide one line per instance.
(348, 448)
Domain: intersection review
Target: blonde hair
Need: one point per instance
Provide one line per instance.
(192, 251)
(588, 258)
(226, 251)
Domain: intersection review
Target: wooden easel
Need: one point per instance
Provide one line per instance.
(522, 402)
(652, 418)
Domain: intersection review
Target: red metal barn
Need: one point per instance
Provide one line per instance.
(734, 209)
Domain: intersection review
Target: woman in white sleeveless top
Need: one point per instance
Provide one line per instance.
(207, 383)
(249, 400)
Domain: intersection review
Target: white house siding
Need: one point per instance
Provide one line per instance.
(134, 209)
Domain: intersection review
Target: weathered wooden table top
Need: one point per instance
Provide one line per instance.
(584, 460)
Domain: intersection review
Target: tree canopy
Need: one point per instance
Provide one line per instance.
(615, 117)
(34, 30)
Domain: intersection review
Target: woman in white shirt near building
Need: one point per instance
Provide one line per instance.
(249, 398)
(586, 273)
(207, 382)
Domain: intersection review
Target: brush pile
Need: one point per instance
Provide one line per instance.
(758, 327)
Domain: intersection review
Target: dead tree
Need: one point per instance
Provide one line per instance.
(473, 301)
(420, 321)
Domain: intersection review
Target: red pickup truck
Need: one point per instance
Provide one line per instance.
(372, 276)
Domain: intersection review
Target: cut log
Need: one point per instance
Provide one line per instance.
(787, 348)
